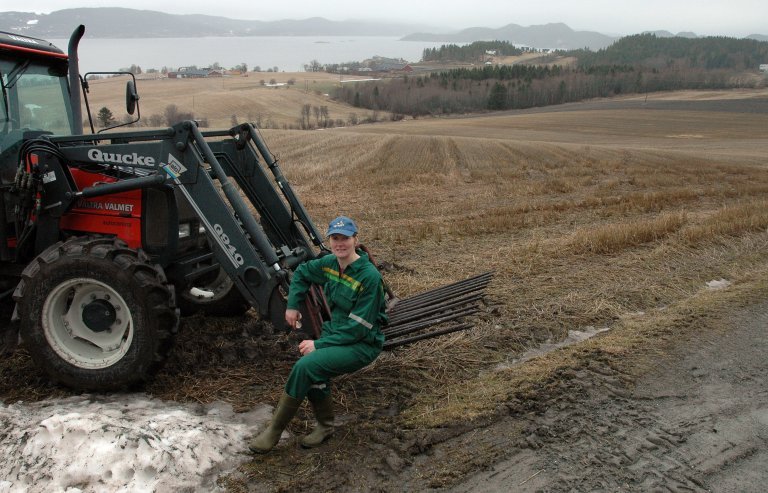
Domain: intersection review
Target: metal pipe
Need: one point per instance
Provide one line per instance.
(421, 337)
(437, 297)
(421, 311)
(122, 186)
(296, 206)
(74, 79)
(479, 282)
(398, 331)
(409, 304)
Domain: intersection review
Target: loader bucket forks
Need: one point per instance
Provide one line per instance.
(435, 312)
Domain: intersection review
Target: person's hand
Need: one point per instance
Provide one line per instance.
(306, 346)
(292, 317)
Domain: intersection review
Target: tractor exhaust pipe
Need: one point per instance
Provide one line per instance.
(74, 79)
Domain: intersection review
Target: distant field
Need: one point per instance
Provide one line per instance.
(727, 124)
(218, 99)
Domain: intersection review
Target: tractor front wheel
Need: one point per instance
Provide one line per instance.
(95, 314)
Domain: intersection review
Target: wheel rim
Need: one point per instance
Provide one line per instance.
(85, 343)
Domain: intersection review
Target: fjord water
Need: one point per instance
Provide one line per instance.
(287, 53)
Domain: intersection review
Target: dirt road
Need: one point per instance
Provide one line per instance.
(698, 422)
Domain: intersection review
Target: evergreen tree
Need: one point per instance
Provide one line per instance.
(498, 98)
(105, 117)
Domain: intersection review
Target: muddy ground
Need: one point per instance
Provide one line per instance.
(690, 415)
(695, 420)
(698, 422)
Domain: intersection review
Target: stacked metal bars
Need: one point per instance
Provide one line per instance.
(435, 312)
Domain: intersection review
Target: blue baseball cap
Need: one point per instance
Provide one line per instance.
(342, 225)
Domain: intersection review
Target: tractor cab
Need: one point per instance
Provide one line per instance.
(35, 96)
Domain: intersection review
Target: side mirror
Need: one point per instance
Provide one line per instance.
(131, 97)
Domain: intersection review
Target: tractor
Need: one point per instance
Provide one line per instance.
(108, 238)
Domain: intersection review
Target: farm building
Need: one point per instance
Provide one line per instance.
(189, 73)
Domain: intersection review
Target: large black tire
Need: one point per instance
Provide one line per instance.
(222, 298)
(96, 315)
(9, 331)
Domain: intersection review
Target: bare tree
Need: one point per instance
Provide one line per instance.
(305, 111)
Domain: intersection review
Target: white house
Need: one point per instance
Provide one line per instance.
(764, 67)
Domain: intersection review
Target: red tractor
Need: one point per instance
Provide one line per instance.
(107, 238)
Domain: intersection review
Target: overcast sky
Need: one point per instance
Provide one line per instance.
(616, 17)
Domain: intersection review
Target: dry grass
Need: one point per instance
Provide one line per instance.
(579, 234)
(603, 218)
(590, 217)
(731, 220)
(638, 338)
(615, 237)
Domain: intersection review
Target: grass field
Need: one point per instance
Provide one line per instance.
(218, 99)
(599, 214)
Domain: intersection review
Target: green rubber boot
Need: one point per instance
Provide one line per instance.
(268, 438)
(324, 415)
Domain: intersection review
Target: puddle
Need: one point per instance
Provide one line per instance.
(574, 336)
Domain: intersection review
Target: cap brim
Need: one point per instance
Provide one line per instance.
(344, 232)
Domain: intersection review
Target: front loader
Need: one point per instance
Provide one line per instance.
(107, 238)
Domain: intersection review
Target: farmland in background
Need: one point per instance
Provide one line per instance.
(271, 99)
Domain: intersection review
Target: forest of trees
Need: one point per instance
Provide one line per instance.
(473, 52)
(650, 51)
(636, 64)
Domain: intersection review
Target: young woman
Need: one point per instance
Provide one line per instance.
(351, 340)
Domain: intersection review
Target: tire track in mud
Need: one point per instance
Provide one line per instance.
(697, 422)
(595, 437)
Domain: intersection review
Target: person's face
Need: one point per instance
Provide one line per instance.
(343, 246)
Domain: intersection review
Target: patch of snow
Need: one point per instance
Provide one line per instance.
(721, 284)
(358, 80)
(121, 443)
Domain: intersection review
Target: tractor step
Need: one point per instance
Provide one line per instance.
(435, 312)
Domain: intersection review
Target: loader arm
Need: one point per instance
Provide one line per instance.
(258, 187)
(223, 182)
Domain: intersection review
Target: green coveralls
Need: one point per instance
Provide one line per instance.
(352, 338)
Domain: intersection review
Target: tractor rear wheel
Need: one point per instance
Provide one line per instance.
(95, 314)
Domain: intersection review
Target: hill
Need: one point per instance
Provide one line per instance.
(115, 22)
(554, 35)
(634, 64)
(652, 51)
